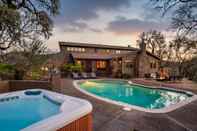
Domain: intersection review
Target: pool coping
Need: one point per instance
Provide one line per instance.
(130, 107)
(63, 118)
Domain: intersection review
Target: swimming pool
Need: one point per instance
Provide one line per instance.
(39, 110)
(135, 96)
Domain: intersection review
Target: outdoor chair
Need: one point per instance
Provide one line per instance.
(84, 75)
(75, 76)
(92, 75)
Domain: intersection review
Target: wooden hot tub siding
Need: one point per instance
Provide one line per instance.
(82, 124)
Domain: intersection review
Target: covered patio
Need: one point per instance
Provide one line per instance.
(100, 64)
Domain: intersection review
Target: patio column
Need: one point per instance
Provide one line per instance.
(94, 66)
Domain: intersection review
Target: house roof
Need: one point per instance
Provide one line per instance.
(101, 46)
(88, 45)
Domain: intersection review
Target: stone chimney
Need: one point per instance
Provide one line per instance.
(143, 44)
(142, 58)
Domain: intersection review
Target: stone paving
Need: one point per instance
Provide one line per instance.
(109, 117)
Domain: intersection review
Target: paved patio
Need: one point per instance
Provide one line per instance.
(109, 117)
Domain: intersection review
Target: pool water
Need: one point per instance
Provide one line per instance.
(141, 96)
(19, 113)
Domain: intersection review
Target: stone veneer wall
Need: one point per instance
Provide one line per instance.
(142, 64)
(131, 60)
(16, 85)
(144, 61)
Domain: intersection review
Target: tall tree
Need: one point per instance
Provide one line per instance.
(191, 70)
(31, 51)
(183, 49)
(22, 19)
(155, 42)
(183, 12)
(27, 55)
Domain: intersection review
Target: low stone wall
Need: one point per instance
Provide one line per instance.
(16, 85)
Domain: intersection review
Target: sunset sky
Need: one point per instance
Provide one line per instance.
(117, 22)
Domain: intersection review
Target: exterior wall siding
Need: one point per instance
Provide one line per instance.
(144, 64)
(129, 64)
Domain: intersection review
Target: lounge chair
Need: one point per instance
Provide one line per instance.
(84, 75)
(92, 75)
(75, 76)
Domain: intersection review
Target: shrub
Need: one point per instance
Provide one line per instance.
(68, 68)
(76, 68)
(7, 71)
(34, 74)
(72, 68)
(6, 68)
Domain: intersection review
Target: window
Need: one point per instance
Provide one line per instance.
(129, 65)
(72, 49)
(76, 49)
(117, 51)
(83, 49)
(153, 65)
(79, 62)
(68, 48)
(101, 64)
(107, 51)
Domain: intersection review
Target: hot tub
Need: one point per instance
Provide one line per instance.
(42, 110)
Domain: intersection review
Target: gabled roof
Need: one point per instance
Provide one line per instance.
(101, 46)
(88, 45)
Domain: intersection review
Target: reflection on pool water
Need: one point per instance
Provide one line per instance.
(132, 94)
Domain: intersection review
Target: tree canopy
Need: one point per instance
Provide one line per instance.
(155, 42)
(23, 19)
(183, 13)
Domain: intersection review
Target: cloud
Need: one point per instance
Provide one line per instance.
(74, 11)
(75, 27)
(79, 27)
(124, 26)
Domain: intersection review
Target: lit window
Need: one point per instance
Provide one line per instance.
(117, 51)
(68, 48)
(101, 64)
(79, 62)
(107, 51)
(71, 49)
(83, 49)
